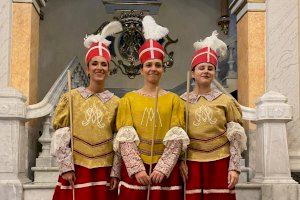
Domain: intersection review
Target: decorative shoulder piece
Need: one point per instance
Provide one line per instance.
(125, 134)
(177, 134)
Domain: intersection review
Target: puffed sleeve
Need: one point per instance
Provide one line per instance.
(61, 115)
(233, 112)
(126, 131)
(177, 131)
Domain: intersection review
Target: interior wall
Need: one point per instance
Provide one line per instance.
(66, 22)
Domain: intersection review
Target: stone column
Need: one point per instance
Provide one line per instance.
(24, 63)
(272, 157)
(25, 46)
(13, 154)
(282, 73)
(5, 41)
(250, 49)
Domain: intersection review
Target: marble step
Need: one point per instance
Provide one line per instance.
(38, 191)
(45, 174)
(248, 191)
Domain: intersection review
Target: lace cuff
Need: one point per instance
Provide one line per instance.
(60, 139)
(60, 149)
(177, 134)
(125, 134)
(116, 168)
(131, 158)
(64, 159)
(236, 132)
(169, 158)
(235, 155)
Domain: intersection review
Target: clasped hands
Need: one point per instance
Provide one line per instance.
(155, 177)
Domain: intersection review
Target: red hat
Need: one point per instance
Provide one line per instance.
(209, 50)
(97, 49)
(97, 45)
(152, 49)
(205, 55)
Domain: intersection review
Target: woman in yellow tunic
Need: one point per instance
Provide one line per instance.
(135, 121)
(88, 167)
(215, 131)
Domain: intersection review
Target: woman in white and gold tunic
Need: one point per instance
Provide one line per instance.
(89, 167)
(216, 135)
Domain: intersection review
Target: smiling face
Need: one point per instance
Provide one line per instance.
(98, 69)
(204, 73)
(152, 71)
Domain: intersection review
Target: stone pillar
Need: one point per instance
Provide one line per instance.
(251, 18)
(5, 41)
(272, 158)
(25, 46)
(250, 49)
(282, 73)
(13, 154)
(24, 63)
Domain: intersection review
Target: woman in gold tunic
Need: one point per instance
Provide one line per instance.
(215, 131)
(135, 121)
(89, 167)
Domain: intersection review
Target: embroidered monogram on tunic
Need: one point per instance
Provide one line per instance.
(148, 116)
(93, 115)
(204, 114)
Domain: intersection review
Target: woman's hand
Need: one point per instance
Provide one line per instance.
(157, 176)
(142, 178)
(183, 171)
(69, 176)
(114, 183)
(233, 179)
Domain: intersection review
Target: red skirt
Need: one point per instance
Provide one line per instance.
(90, 184)
(168, 189)
(208, 181)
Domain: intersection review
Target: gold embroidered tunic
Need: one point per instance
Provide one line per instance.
(208, 118)
(93, 125)
(137, 111)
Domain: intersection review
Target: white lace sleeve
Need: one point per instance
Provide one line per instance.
(61, 138)
(61, 150)
(125, 134)
(177, 133)
(236, 132)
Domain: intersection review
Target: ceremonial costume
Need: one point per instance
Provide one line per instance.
(135, 121)
(93, 125)
(216, 135)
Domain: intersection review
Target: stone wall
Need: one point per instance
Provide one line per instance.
(282, 73)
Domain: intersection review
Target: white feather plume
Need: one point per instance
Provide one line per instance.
(95, 38)
(110, 29)
(152, 30)
(214, 43)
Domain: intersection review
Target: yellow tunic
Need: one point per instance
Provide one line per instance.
(137, 110)
(93, 126)
(207, 127)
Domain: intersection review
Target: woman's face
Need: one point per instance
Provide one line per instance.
(204, 73)
(98, 69)
(152, 70)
